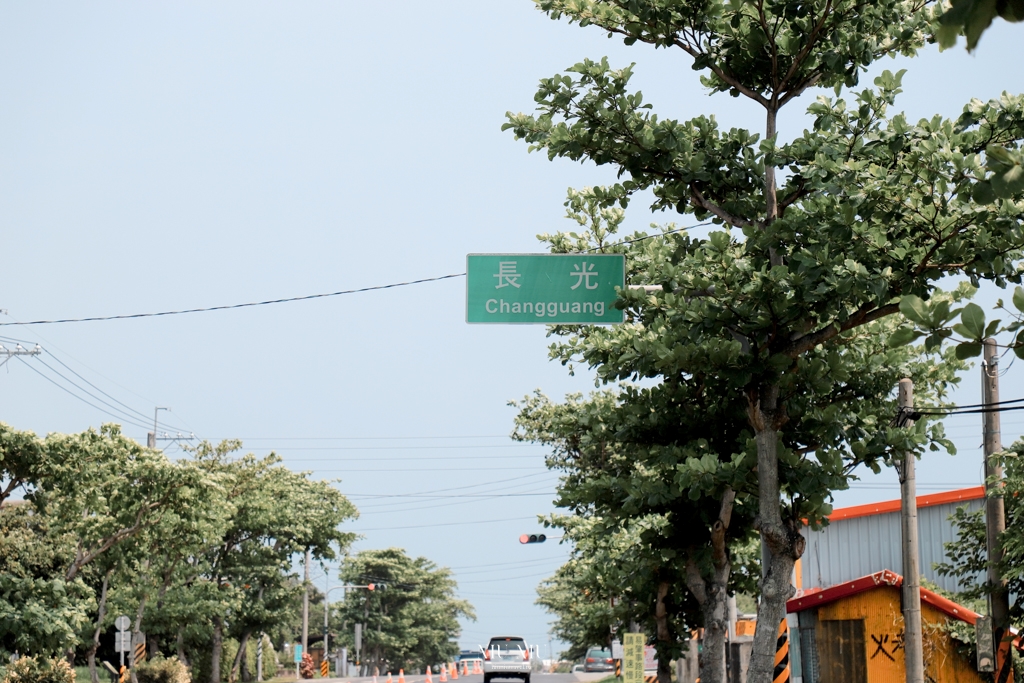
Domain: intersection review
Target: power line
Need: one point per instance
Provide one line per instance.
(127, 416)
(357, 438)
(325, 295)
(68, 391)
(397, 448)
(228, 307)
(431, 526)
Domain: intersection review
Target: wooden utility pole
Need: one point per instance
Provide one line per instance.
(913, 639)
(305, 606)
(995, 513)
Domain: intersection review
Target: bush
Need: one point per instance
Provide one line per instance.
(32, 670)
(160, 670)
(306, 669)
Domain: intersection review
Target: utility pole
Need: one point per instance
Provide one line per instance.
(7, 354)
(913, 640)
(995, 513)
(327, 609)
(305, 606)
(151, 437)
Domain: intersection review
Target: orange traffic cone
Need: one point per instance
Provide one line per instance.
(465, 667)
(401, 676)
(443, 678)
(430, 679)
(389, 678)
(454, 672)
(477, 669)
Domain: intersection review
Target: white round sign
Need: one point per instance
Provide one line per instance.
(122, 623)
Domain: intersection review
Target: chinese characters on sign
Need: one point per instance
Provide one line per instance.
(633, 657)
(544, 288)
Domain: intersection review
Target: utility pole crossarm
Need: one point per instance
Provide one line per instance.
(7, 354)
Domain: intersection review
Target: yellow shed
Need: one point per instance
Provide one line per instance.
(853, 633)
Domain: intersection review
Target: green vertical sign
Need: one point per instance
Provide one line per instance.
(544, 289)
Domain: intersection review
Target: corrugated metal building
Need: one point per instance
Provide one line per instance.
(865, 539)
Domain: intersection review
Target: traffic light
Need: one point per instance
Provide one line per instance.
(532, 538)
(371, 587)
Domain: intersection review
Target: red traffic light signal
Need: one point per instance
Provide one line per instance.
(532, 538)
(371, 587)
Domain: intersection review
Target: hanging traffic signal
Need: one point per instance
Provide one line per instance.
(371, 587)
(532, 538)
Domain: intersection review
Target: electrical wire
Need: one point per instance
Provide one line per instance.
(68, 391)
(307, 297)
(502, 483)
(431, 526)
(396, 448)
(228, 307)
(127, 416)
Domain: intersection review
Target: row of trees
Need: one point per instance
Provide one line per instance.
(758, 378)
(195, 551)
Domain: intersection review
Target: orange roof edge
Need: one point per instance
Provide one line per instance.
(973, 493)
(815, 597)
(823, 596)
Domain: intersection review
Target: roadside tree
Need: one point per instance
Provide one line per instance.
(868, 208)
(411, 618)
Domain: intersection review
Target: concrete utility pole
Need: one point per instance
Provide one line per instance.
(151, 436)
(995, 513)
(305, 606)
(913, 638)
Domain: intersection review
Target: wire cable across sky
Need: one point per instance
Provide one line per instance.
(307, 297)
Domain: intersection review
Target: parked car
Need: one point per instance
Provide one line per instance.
(598, 660)
(507, 657)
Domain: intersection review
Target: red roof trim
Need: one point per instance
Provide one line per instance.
(816, 597)
(973, 493)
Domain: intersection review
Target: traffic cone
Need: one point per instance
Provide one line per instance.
(389, 678)
(477, 669)
(465, 668)
(401, 676)
(430, 679)
(455, 672)
(443, 678)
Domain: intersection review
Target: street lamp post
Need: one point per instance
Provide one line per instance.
(327, 606)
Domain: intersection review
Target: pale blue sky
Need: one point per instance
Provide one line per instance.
(167, 155)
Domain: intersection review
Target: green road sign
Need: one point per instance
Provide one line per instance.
(544, 288)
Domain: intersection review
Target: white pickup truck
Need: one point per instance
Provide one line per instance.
(507, 657)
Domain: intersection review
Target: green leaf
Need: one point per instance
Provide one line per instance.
(903, 336)
(913, 308)
(983, 192)
(1018, 298)
(973, 318)
(968, 350)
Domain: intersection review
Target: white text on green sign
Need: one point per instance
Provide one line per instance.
(544, 288)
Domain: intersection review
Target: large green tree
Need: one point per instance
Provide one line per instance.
(821, 236)
(411, 619)
(968, 555)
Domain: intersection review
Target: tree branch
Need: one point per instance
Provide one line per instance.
(698, 199)
(861, 317)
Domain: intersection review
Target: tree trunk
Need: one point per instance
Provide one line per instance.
(181, 647)
(781, 538)
(216, 649)
(240, 655)
(100, 615)
(664, 634)
(137, 634)
(712, 594)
